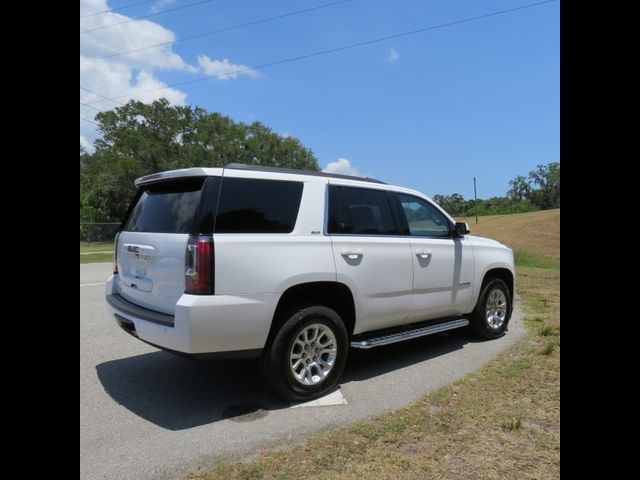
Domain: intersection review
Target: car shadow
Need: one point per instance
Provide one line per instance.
(365, 364)
(177, 393)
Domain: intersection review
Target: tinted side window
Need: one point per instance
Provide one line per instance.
(339, 217)
(258, 206)
(208, 206)
(360, 211)
(166, 207)
(424, 219)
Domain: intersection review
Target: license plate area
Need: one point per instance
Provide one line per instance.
(139, 267)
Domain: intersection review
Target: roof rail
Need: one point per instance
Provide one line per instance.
(258, 168)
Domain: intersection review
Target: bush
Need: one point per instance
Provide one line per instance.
(500, 206)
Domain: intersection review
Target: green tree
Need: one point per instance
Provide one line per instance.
(520, 189)
(139, 139)
(541, 188)
(547, 178)
(453, 204)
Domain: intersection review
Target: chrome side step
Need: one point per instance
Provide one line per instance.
(409, 334)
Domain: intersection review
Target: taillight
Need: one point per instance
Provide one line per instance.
(115, 254)
(199, 265)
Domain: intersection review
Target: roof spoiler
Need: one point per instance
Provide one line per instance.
(170, 174)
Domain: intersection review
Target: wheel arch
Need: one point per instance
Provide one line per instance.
(334, 295)
(502, 273)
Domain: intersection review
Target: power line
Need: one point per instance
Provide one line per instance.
(99, 95)
(337, 49)
(147, 16)
(90, 121)
(90, 106)
(116, 9)
(225, 29)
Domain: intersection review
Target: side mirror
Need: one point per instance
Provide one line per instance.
(461, 228)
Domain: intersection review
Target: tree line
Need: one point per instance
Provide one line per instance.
(540, 190)
(138, 139)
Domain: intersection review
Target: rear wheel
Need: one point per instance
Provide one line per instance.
(307, 355)
(490, 317)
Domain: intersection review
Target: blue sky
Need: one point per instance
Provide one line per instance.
(429, 111)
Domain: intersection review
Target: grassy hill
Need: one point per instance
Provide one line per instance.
(536, 232)
(534, 236)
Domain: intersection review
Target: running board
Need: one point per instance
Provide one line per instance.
(409, 334)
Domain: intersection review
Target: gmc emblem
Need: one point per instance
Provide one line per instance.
(132, 249)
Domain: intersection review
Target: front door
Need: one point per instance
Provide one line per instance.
(442, 264)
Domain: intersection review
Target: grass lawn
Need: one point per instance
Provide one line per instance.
(502, 421)
(96, 247)
(533, 232)
(97, 258)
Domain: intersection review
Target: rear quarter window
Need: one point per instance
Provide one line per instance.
(258, 206)
(360, 211)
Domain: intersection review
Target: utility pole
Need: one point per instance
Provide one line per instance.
(475, 199)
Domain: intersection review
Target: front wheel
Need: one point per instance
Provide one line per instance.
(307, 355)
(490, 317)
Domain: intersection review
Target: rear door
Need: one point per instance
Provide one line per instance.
(442, 264)
(370, 255)
(153, 241)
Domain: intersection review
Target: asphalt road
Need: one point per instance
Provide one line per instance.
(147, 414)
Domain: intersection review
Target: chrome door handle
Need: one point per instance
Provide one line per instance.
(423, 254)
(352, 254)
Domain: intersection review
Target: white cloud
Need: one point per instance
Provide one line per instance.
(159, 4)
(127, 75)
(393, 55)
(224, 68)
(342, 166)
(125, 37)
(113, 79)
(130, 76)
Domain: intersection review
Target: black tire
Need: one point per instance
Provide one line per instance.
(275, 361)
(479, 321)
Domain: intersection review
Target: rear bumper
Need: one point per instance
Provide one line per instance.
(123, 306)
(203, 325)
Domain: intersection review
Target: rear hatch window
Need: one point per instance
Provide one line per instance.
(167, 207)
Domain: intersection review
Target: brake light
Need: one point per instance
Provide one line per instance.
(199, 265)
(115, 254)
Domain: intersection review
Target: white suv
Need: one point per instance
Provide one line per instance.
(295, 267)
